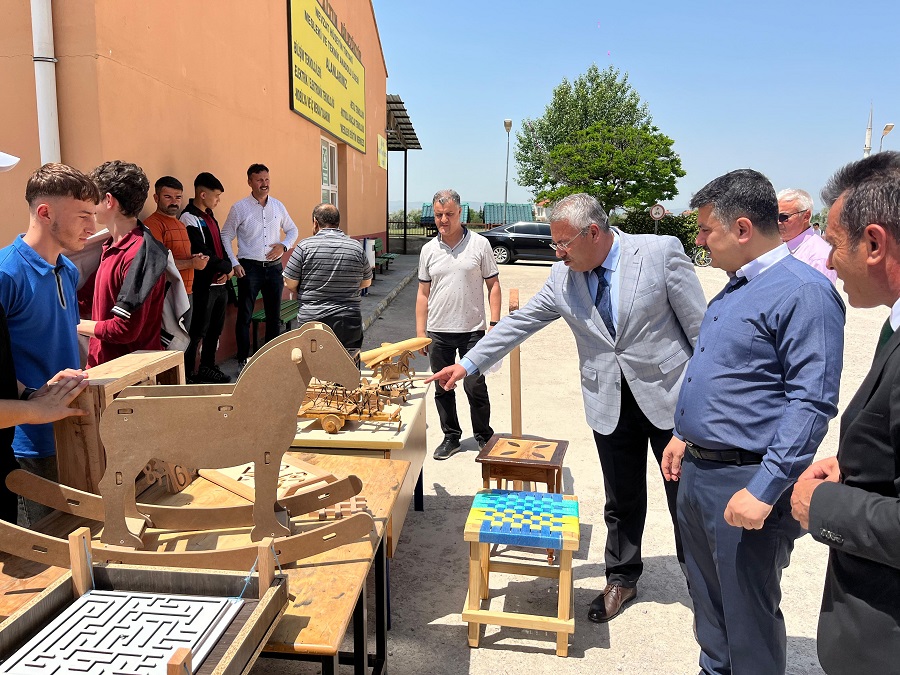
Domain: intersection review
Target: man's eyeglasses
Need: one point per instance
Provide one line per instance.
(783, 217)
(566, 245)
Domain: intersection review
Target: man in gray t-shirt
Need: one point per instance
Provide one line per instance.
(327, 271)
(454, 267)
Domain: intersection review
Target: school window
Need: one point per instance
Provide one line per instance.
(329, 172)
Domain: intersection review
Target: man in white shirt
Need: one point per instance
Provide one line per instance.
(264, 233)
(794, 211)
(454, 268)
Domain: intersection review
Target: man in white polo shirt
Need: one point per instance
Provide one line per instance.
(450, 310)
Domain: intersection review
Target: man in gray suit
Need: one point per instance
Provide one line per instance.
(635, 306)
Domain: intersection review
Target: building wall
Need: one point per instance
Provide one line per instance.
(179, 87)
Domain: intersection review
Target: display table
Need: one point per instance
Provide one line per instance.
(380, 439)
(327, 590)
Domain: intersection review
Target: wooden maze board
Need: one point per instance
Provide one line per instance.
(294, 475)
(124, 632)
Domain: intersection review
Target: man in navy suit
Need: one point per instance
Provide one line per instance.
(851, 503)
(634, 304)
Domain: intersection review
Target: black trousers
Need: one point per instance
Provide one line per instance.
(347, 326)
(623, 459)
(206, 326)
(442, 353)
(257, 278)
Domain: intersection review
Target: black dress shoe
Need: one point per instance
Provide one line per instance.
(610, 602)
(448, 448)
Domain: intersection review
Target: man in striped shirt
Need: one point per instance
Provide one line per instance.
(264, 232)
(327, 271)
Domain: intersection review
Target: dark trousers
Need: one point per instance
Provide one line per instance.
(442, 353)
(347, 327)
(623, 459)
(206, 326)
(734, 574)
(9, 500)
(257, 278)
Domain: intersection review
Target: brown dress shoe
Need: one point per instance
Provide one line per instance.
(610, 602)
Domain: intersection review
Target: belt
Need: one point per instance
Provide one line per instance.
(738, 457)
(259, 263)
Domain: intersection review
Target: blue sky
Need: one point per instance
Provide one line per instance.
(781, 87)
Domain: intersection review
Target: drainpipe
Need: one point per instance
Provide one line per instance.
(45, 80)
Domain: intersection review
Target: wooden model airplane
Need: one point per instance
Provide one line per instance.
(333, 403)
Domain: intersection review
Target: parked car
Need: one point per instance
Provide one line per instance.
(522, 240)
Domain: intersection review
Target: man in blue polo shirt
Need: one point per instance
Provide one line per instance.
(37, 290)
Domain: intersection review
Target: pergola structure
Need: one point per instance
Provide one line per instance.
(401, 137)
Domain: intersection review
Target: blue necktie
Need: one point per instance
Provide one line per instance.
(602, 301)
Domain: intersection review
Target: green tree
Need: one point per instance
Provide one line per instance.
(622, 166)
(684, 227)
(597, 96)
(821, 217)
(596, 136)
(414, 216)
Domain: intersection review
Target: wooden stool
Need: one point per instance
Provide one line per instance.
(523, 458)
(529, 519)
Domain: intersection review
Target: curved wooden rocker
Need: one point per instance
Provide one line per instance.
(90, 506)
(49, 550)
(217, 426)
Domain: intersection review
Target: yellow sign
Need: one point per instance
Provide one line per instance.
(382, 151)
(328, 81)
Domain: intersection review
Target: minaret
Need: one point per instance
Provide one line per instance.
(868, 147)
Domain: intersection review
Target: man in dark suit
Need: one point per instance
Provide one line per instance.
(851, 502)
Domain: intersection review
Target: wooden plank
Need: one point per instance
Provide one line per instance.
(473, 597)
(515, 374)
(526, 621)
(80, 556)
(524, 569)
(564, 612)
(36, 613)
(180, 662)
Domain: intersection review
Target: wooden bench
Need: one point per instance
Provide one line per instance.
(382, 260)
(287, 316)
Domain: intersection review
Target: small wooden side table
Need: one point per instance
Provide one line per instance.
(523, 458)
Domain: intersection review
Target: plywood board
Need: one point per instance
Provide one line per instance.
(124, 631)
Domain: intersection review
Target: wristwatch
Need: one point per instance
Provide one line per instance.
(26, 393)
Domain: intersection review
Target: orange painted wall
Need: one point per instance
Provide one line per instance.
(186, 86)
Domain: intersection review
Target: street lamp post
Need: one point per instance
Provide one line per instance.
(507, 124)
(888, 128)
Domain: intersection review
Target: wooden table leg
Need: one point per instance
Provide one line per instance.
(360, 636)
(564, 611)
(485, 554)
(474, 589)
(382, 600)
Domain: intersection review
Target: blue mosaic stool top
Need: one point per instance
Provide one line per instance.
(536, 519)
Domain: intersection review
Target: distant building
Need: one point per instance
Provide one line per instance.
(493, 213)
